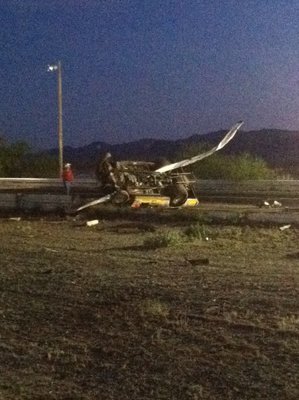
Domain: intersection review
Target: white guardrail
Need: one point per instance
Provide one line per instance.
(44, 180)
(284, 188)
(47, 193)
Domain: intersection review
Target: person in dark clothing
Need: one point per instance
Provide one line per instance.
(105, 171)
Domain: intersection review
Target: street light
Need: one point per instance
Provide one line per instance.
(52, 68)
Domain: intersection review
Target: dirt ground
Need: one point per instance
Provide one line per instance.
(102, 312)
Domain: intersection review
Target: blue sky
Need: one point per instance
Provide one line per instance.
(147, 68)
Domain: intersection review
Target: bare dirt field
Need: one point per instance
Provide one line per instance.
(141, 309)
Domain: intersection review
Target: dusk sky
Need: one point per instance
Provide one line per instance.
(147, 68)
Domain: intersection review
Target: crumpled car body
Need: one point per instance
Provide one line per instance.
(140, 183)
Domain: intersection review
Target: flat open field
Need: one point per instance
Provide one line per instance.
(102, 312)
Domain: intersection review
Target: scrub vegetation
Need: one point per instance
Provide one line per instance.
(162, 240)
(239, 167)
(16, 160)
(234, 168)
(92, 313)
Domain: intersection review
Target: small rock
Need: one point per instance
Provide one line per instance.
(199, 261)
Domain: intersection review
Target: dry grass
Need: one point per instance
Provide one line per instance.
(154, 308)
(89, 313)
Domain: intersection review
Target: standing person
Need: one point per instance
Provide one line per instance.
(67, 178)
(105, 171)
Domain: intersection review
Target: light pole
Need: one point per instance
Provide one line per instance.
(57, 68)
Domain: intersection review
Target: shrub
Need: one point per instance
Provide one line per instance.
(220, 166)
(234, 168)
(40, 166)
(12, 158)
(196, 231)
(17, 161)
(162, 240)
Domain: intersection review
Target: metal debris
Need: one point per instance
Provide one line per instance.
(92, 222)
(51, 250)
(103, 199)
(284, 227)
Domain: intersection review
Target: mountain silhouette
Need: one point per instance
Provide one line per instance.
(279, 148)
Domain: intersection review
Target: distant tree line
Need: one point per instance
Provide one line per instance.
(16, 160)
(227, 167)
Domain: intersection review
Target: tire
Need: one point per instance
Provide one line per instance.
(178, 195)
(121, 197)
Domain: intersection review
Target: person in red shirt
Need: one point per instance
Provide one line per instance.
(67, 178)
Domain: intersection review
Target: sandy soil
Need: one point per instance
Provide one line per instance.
(103, 312)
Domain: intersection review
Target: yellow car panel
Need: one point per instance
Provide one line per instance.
(159, 201)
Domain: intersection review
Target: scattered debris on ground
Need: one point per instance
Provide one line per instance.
(284, 227)
(92, 222)
(276, 204)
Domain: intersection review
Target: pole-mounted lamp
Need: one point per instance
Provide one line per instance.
(54, 68)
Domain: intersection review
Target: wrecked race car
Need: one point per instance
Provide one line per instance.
(140, 183)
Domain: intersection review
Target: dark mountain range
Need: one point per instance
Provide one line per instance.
(279, 148)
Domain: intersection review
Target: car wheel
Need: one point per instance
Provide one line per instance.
(178, 195)
(121, 197)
